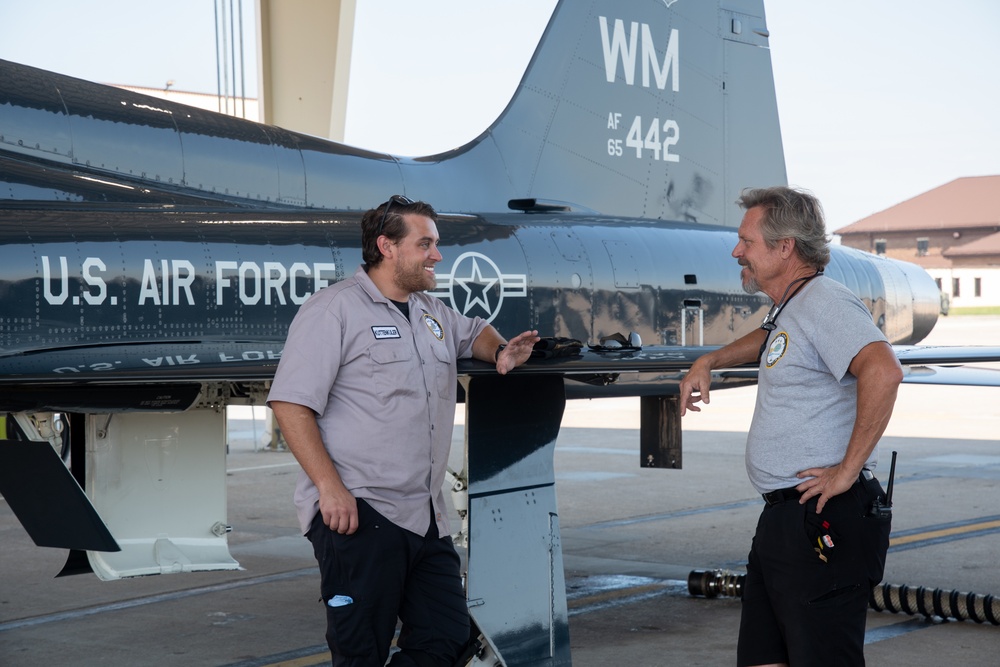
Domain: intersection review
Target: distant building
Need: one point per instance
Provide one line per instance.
(952, 231)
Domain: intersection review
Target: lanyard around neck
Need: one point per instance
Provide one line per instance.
(769, 324)
(772, 315)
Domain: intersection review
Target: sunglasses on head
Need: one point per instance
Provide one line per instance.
(395, 199)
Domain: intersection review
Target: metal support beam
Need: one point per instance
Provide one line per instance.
(516, 584)
(660, 432)
(304, 64)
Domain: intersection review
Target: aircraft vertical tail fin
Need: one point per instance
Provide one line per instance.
(657, 109)
(648, 109)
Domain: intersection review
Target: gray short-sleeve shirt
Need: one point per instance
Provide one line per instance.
(806, 399)
(383, 388)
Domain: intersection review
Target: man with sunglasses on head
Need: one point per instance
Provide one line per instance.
(365, 396)
(826, 387)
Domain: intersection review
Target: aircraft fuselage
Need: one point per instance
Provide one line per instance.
(82, 287)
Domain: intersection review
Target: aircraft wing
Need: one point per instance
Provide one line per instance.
(916, 355)
(966, 376)
(199, 361)
(945, 365)
(257, 360)
(922, 364)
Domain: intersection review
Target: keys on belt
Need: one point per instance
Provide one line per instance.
(818, 530)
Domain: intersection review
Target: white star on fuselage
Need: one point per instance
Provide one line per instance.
(482, 286)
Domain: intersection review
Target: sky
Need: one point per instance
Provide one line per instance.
(879, 100)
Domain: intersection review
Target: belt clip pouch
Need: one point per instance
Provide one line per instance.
(878, 524)
(872, 495)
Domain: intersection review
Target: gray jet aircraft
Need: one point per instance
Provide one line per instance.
(152, 256)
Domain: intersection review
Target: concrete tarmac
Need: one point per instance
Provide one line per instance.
(630, 536)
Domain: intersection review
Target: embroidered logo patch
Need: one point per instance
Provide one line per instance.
(434, 326)
(777, 349)
(385, 332)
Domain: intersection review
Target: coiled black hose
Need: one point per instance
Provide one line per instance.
(897, 598)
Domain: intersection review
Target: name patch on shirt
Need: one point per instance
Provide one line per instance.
(385, 332)
(434, 326)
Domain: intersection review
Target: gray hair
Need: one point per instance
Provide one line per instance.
(791, 214)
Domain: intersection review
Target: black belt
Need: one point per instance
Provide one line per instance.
(781, 495)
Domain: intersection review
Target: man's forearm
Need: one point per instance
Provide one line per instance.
(742, 351)
(696, 385)
(484, 348)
